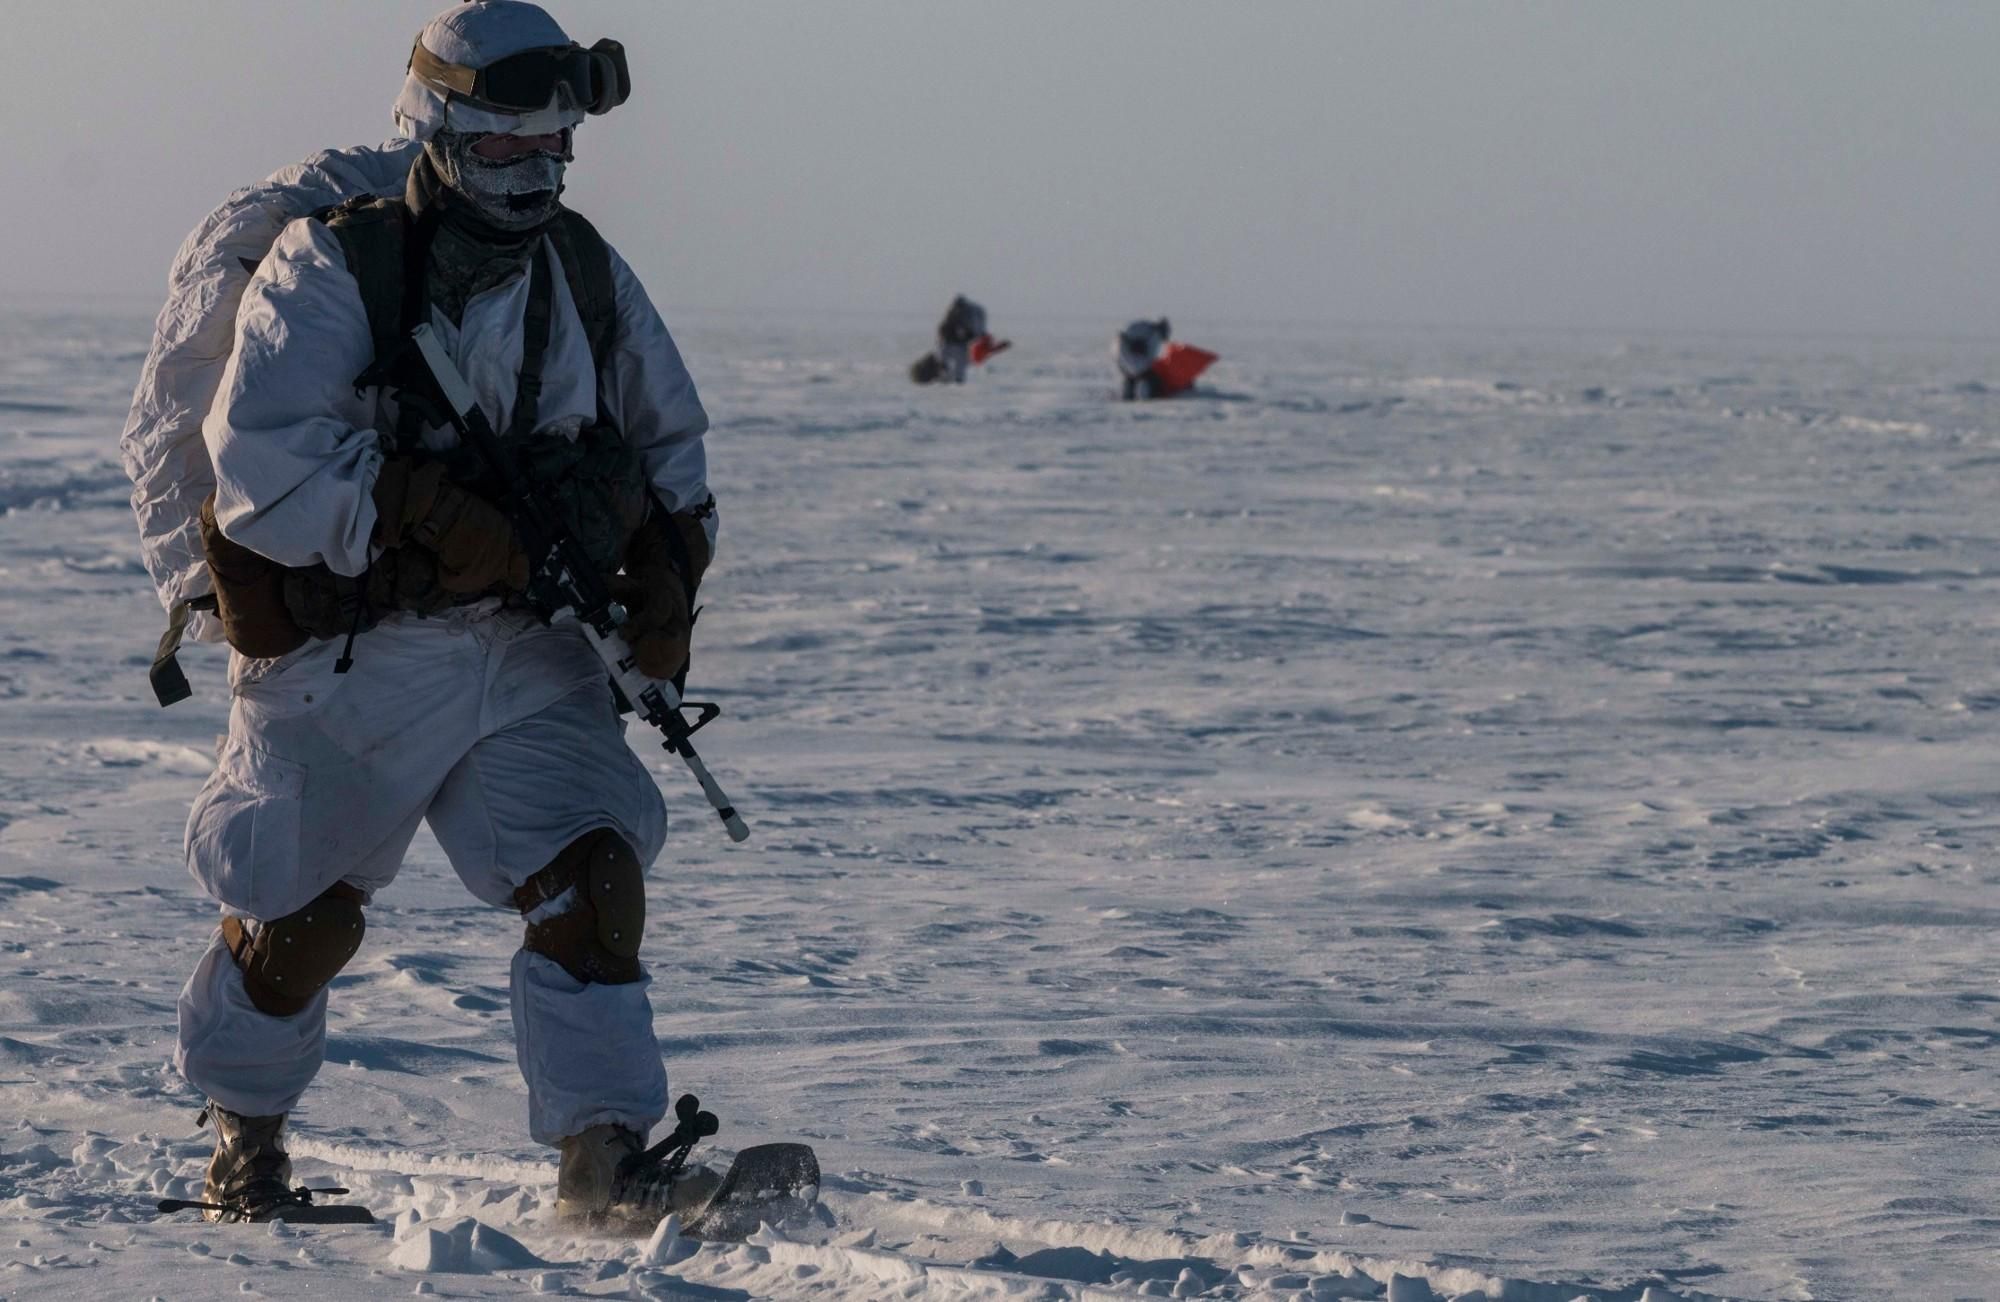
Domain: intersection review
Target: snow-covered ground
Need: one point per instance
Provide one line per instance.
(1517, 812)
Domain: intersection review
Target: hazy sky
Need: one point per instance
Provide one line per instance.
(1781, 166)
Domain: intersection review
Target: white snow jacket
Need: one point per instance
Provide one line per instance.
(196, 340)
(296, 448)
(161, 446)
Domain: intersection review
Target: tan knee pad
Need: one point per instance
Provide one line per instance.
(288, 961)
(595, 936)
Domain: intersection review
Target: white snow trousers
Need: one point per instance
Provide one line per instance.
(500, 733)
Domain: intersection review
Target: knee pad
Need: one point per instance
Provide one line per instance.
(598, 891)
(288, 961)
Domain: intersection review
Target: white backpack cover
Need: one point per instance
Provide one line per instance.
(162, 447)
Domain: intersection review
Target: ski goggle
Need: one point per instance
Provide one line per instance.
(596, 79)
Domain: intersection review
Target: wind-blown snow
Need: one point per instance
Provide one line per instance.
(1514, 813)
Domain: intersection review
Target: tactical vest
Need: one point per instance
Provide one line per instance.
(596, 481)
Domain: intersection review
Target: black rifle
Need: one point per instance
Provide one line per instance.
(563, 577)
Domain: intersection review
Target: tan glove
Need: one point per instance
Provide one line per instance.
(472, 539)
(656, 589)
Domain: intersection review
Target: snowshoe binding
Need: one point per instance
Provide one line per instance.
(603, 1180)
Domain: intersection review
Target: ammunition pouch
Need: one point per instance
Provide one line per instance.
(268, 610)
(327, 605)
(595, 482)
(249, 594)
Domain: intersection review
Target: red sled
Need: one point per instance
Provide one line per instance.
(985, 347)
(1177, 368)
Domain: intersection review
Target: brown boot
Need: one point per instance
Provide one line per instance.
(590, 1185)
(250, 1174)
(588, 1167)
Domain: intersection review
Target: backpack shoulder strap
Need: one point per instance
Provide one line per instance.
(372, 233)
(586, 264)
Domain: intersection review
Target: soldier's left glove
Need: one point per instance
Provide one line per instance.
(664, 563)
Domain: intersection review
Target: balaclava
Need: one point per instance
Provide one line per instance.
(514, 194)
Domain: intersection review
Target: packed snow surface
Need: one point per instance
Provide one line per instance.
(1433, 815)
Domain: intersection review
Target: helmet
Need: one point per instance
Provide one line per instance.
(505, 66)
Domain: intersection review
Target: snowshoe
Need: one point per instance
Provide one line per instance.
(768, 1182)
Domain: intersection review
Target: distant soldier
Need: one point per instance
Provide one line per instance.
(1137, 347)
(962, 344)
(1151, 366)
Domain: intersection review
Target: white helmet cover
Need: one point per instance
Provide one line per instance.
(474, 35)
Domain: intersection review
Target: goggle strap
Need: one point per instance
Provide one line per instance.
(449, 76)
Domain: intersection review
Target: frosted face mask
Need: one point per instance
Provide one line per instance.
(512, 184)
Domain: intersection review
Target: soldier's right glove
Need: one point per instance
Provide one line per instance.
(664, 563)
(472, 539)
